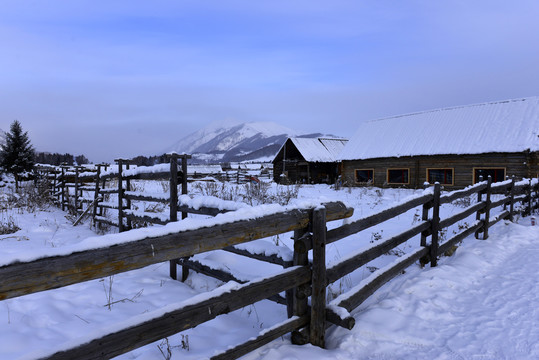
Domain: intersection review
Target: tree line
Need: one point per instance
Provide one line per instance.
(17, 155)
(59, 159)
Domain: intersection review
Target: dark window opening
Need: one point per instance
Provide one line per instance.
(397, 176)
(364, 176)
(442, 176)
(495, 174)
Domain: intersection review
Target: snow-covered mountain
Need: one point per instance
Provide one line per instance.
(235, 141)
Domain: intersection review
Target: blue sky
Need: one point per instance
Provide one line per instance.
(123, 78)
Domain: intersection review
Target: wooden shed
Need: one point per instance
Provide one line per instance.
(308, 160)
(452, 146)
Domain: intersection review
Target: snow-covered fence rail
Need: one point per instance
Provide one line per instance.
(524, 192)
(134, 249)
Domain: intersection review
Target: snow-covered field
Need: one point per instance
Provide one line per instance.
(481, 303)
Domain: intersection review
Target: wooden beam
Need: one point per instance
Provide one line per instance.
(318, 296)
(184, 317)
(375, 219)
(23, 278)
(338, 270)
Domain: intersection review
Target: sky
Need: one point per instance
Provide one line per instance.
(122, 78)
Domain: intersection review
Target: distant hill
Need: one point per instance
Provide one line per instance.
(233, 141)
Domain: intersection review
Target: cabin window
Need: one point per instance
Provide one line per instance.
(365, 176)
(398, 176)
(497, 174)
(442, 176)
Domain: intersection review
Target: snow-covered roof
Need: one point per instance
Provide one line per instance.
(504, 126)
(319, 149)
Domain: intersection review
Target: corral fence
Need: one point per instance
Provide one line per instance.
(298, 281)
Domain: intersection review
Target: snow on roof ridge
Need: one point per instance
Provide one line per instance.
(453, 108)
(501, 126)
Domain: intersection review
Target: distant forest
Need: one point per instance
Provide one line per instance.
(69, 159)
(59, 159)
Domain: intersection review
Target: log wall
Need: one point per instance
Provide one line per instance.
(520, 165)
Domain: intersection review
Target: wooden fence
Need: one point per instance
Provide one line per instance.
(300, 281)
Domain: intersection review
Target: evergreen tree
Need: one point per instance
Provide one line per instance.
(17, 153)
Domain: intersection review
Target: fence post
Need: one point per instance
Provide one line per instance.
(318, 297)
(76, 199)
(120, 196)
(174, 207)
(512, 196)
(529, 210)
(299, 300)
(478, 214)
(435, 225)
(62, 185)
(173, 187)
(425, 217)
(127, 200)
(185, 269)
(487, 208)
(96, 193)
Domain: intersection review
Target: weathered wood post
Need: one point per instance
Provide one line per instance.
(300, 294)
(96, 192)
(120, 196)
(173, 189)
(77, 170)
(487, 208)
(318, 297)
(435, 225)
(185, 269)
(512, 196)
(478, 214)
(529, 194)
(62, 186)
(128, 200)
(425, 217)
(184, 178)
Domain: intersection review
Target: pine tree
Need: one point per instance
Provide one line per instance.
(17, 153)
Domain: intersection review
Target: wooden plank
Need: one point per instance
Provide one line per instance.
(447, 245)
(340, 269)
(379, 278)
(272, 259)
(499, 202)
(300, 294)
(375, 219)
(23, 278)
(264, 338)
(108, 191)
(462, 215)
(147, 218)
(435, 226)
(103, 220)
(459, 194)
(221, 275)
(120, 197)
(512, 197)
(184, 317)
(164, 175)
(144, 197)
(487, 209)
(202, 210)
(501, 216)
(318, 283)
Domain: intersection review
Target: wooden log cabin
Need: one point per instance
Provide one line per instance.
(308, 160)
(452, 146)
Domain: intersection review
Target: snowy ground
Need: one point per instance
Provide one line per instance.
(478, 304)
